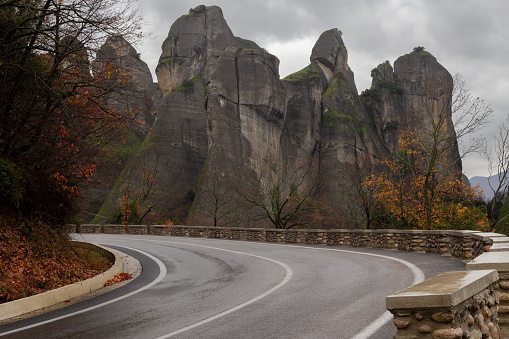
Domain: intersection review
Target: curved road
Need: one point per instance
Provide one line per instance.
(209, 288)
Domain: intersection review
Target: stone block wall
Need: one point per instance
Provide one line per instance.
(503, 308)
(114, 229)
(137, 229)
(460, 308)
(158, 230)
(460, 244)
(500, 262)
(90, 228)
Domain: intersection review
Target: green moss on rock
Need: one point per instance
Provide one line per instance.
(391, 87)
(188, 84)
(107, 48)
(308, 73)
(168, 62)
(421, 53)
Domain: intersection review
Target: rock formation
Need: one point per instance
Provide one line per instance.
(226, 115)
(137, 101)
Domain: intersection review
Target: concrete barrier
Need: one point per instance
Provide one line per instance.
(38, 301)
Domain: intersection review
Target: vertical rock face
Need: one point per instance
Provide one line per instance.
(300, 138)
(419, 75)
(246, 106)
(384, 104)
(225, 110)
(346, 132)
(427, 88)
(176, 150)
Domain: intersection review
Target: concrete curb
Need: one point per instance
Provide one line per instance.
(49, 298)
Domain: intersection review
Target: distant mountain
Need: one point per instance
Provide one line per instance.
(483, 182)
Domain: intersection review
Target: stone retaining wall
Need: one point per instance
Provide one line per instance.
(453, 305)
(499, 261)
(471, 304)
(459, 244)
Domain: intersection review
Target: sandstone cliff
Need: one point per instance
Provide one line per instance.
(226, 121)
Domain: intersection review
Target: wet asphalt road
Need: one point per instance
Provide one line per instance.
(208, 288)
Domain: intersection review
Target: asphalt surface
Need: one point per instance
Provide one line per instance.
(209, 288)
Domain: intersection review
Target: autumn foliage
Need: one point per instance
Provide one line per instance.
(36, 258)
(414, 195)
(54, 120)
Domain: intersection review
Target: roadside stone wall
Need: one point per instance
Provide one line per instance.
(459, 244)
(138, 229)
(114, 229)
(90, 228)
(503, 308)
(438, 242)
(498, 261)
(158, 230)
(453, 305)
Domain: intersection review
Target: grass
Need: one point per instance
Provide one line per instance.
(310, 72)
(421, 53)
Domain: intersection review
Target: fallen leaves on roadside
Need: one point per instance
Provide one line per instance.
(35, 258)
(118, 278)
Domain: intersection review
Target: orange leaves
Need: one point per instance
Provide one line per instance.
(422, 191)
(119, 278)
(30, 267)
(61, 183)
(126, 208)
(63, 132)
(87, 171)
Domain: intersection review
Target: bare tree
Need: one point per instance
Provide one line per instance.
(282, 196)
(365, 208)
(498, 166)
(217, 199)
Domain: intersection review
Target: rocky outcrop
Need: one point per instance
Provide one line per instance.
(300, 138)
(225, 115)
(140, 97)
(384, 104)
(193, 45)
(427, 88)
(136, 100)
(346, 132)
(175, 152)
(409, 97)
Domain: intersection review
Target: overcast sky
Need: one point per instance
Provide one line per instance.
(467, 37)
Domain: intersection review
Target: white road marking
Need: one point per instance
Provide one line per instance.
(162, 274)
(366, 332)
(375, 325)
(288, 276)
